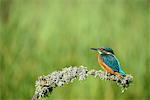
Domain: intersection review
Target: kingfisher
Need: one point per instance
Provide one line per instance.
(109, 62)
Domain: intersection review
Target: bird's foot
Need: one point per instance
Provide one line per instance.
(120, 75)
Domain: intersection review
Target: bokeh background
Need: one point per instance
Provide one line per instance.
(41, 36)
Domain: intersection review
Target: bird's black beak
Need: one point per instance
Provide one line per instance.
(94, 49)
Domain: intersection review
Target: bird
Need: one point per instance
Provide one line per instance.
(109, 62)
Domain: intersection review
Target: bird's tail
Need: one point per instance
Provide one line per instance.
(122, 72)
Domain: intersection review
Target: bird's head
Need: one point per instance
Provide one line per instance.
(103, 50)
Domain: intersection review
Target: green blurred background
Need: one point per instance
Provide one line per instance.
(41, 36)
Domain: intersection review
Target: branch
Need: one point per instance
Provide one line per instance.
(45, 84)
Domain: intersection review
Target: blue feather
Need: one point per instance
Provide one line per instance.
(112, 62)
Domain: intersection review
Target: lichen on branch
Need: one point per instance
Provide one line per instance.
(46, 84)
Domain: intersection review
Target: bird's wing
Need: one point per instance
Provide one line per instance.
(111, 61)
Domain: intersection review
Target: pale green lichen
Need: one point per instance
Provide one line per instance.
(45, 84)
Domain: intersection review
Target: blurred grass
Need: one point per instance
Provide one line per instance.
(40, 36)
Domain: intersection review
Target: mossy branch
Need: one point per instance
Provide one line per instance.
(45, 84)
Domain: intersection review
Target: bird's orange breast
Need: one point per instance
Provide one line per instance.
(102, 64)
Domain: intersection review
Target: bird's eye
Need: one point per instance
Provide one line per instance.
(102, 49)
